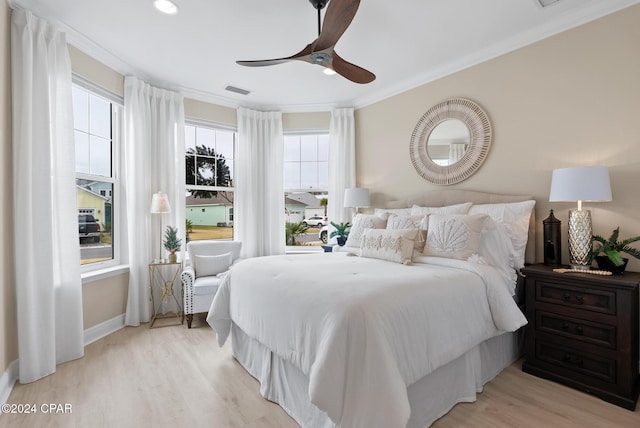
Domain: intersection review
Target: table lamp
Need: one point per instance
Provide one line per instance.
(356, 197)
(160, 205)
(580, 184)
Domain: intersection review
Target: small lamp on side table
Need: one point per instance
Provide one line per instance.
(356, 197)
(160, 205)
(578, 184)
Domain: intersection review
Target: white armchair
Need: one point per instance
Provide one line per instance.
(210, 260)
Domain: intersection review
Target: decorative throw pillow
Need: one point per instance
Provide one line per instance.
(211, 265)
(454, 236)
(515, 219)
(388, 244)
(401, 222)
(360, 223)
(463, 208)
(381, 212)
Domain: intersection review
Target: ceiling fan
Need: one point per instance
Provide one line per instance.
(339, 15)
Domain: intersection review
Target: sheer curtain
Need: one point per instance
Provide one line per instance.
(47, 253)
(153, 159)
(342, 162)
(259, 189)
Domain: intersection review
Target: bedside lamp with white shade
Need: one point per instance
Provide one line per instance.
(160, 205)
(357, 197)
(580, 184)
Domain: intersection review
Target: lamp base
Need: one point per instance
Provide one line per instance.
(580, 239)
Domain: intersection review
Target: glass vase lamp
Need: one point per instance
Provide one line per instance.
(580, 184)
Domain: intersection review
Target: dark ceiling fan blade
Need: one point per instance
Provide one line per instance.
(337, 18)
(302, 55)
(351, 71)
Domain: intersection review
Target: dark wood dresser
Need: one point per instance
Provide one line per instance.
(583, 331)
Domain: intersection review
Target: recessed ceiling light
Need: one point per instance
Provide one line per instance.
(166, 6)
(329, 71)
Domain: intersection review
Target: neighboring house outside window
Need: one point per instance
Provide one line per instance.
(306, 182)
(209, 166)
(96, 135)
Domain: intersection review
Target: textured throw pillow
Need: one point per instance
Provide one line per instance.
(211, 265)
(388, 244)
(360, 223)
(417, 211)
(381, 212)
(402, 222)
(515, 219)
(454, 236)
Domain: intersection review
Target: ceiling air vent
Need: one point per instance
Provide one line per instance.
(237, 90)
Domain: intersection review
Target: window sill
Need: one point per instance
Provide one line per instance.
(99, 274)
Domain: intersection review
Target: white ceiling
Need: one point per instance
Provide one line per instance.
(406, 43)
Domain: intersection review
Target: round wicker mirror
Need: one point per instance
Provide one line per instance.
(447, 160)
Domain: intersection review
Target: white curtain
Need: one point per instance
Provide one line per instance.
(153, 159)
(456, 151)
(342, 163)
(47, 252)
(259, 188)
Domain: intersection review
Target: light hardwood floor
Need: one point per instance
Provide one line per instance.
(174, 377)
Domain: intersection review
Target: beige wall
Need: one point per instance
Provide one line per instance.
(8, 324)
(570, 100)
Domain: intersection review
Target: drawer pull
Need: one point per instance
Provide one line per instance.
(576, 361)
(566, 296)
(565, 326)
(579, 329)
(579, 299)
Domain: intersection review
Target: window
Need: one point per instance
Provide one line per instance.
(96, 132)
(306, 182)
(209, 153)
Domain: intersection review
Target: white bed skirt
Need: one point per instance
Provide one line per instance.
(430, 397)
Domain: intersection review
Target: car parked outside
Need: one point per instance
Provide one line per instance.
(315, 220)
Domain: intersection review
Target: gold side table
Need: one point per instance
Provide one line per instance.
(162, 277)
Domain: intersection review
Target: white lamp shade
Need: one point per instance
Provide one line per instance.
(583, 183)
(356, 197)
(160, 203)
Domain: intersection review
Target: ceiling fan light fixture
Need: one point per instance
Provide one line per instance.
(329, 72)
(166, 6)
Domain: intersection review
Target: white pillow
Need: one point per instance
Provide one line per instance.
(463, 208)
(211, 265)
(454, 236)
(515, 219)
(496, 247)
(393, 245)
(381, 212)
(360, 223)
(401, 222)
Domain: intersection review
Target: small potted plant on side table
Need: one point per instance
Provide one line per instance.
(607, 252)
(341, 231)
(172, 243)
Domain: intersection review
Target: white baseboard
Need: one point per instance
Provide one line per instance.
(7, 380)
(103, 329)
(10, 376)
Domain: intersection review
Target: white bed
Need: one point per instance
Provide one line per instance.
(361, 348)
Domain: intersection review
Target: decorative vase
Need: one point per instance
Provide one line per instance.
(173, 257)
(605, 264)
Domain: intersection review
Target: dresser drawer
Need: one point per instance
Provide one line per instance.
(573, 328)
(577, 361)
(590, 299)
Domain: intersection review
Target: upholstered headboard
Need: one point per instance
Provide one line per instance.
(440, 198)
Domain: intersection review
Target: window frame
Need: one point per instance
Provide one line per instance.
(117, 207)
(306, 132)
(200, 123)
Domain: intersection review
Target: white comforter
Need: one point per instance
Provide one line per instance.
(361, 329)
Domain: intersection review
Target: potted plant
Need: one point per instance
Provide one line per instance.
(293, 230)
(607, 252)
(172, 243)
(341, 231)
